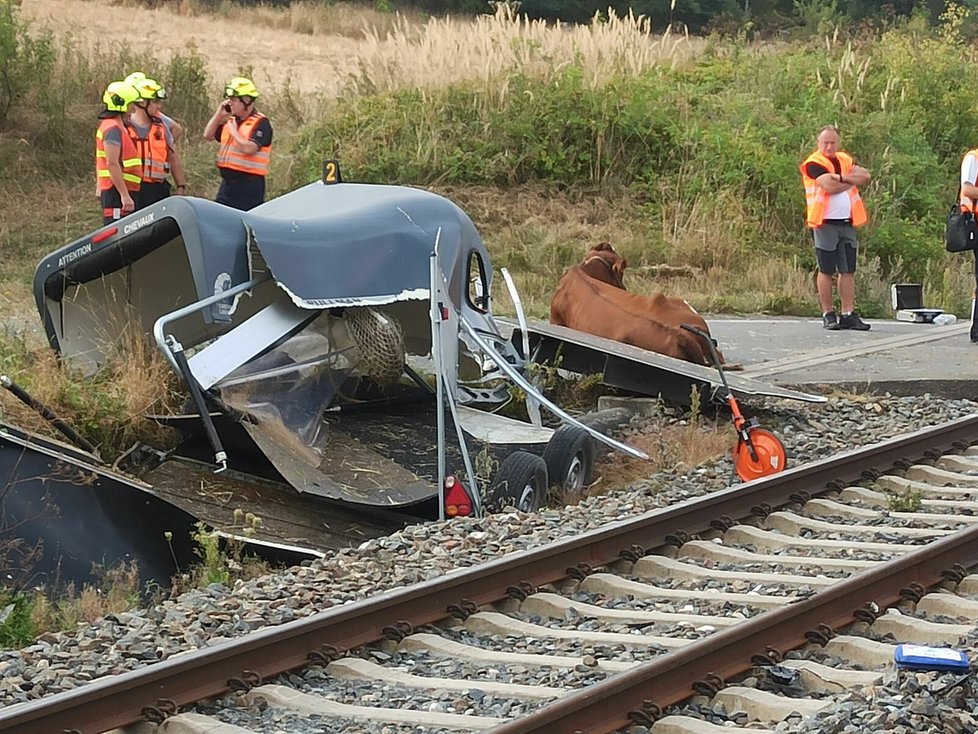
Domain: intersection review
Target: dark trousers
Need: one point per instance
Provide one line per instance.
(150, 193)
(111, 203)
(243, 193)
(974, 316)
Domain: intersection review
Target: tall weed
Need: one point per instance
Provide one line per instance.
(26, 58)
(109, 409)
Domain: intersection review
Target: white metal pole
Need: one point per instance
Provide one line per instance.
(435, 311)
(532, 405)
(466, 459)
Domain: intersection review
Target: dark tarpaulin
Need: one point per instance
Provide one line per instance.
(334, 245)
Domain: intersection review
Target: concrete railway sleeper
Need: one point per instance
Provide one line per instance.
(640, 624)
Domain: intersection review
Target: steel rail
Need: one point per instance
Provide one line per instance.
(121, 700)
(640, 694)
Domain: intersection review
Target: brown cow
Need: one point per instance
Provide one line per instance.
(591, 297)
(595, 307)
(603, 263)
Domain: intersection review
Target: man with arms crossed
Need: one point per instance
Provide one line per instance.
(833, 210)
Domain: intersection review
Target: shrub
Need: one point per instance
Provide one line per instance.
(26, 60)
(187, 83)
(16, 624)
(559, 131)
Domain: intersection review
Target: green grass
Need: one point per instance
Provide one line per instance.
(910, 501)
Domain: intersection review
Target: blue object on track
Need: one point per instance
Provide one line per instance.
(921, 657)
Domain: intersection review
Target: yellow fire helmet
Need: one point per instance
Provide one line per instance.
(119, 95)
(149, 89)
(240, 86)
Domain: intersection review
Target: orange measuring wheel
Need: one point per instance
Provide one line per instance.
(768, 457)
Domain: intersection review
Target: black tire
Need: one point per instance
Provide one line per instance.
(570, 456)
(520, 481)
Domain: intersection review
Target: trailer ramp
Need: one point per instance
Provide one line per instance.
(639, 370)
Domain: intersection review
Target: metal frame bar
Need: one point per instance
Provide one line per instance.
(160, 324)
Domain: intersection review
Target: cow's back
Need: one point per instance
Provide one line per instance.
(595, 307)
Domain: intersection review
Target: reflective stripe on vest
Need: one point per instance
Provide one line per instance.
(153, 151)
(968, 204)
(131, 162)
(816, 197)
(231, 158)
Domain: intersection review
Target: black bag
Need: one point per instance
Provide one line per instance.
(961, 234)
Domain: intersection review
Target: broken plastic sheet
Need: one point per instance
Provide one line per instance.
(289, 387)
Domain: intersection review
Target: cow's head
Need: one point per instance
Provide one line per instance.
(603, 263)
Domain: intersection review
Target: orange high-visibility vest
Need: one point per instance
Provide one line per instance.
(131, 162)
(816, 197)
(233, 159)
(153, 150)
(968, 204)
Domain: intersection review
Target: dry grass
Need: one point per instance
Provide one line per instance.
(135, 381)
(491, 47)
(669, 447)
(325, 48)
(117, 591)
(693, 233)
(145, 379)
(275, 56)
(15, 412)
(346, 20)
(70, 211)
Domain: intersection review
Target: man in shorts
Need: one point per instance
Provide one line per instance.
(833, 210)
(969, 201)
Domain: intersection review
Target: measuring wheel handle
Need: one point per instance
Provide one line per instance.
(745, 440)
(747, 426)
(711, 345)
(758, 453)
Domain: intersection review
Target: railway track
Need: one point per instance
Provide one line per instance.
(611, 628)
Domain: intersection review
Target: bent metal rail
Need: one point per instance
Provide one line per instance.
(638, 692)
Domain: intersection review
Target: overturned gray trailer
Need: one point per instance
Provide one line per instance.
(301, 317)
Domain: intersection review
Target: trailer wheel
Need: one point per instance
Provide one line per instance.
(569, 456)
(521, 481)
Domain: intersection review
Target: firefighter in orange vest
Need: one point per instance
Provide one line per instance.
(118, 167)
(176, 129)
(245, 135)
(154, 141)
(833, 210)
